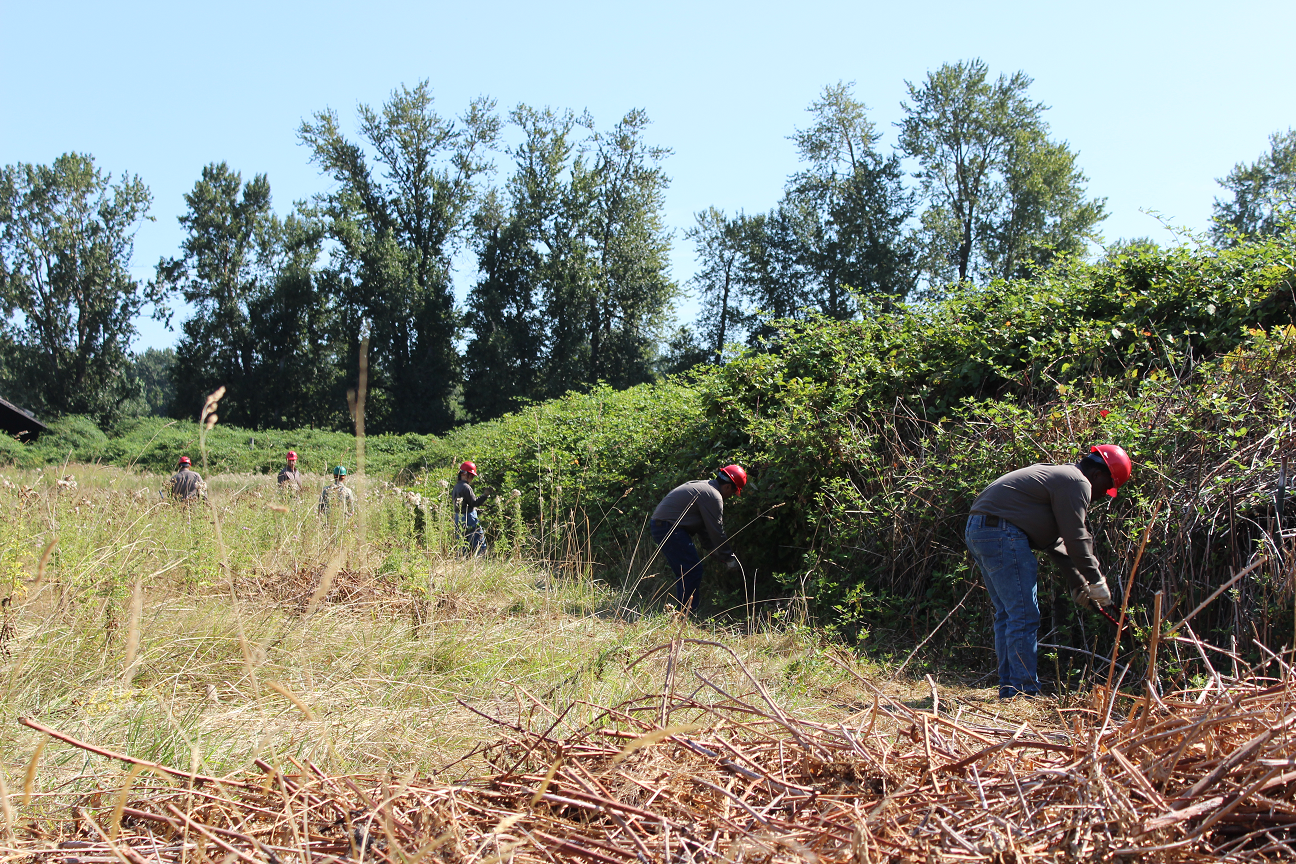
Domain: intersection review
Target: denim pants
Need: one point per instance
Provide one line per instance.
(685, 565)
(1011, 572)
(474, 538)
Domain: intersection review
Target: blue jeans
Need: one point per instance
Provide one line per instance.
(474, 538)
(685, 565)
(1011, 572)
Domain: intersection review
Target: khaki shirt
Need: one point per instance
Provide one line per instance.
(1049, 504)
(340, 493)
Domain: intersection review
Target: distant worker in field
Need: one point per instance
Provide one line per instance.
(1039, 507)
(185, 484)
(465, 502)
(290, 479)
(693, 509)
(337, 495)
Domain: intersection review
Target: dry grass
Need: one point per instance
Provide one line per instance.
(402, 642)
(711, 771)
(350, 687)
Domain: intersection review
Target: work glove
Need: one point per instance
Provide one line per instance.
(731, 564)
(1098, 592)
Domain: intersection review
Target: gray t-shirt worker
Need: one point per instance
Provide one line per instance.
(693, 509)
(1038, 507)
(186, 484)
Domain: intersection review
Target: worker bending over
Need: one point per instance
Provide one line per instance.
(693, 509)
(1039, 507)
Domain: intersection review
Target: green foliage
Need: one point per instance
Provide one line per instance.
(574, 266)
(264, 322)
(156, 444)
(726, 250)
(591, 463)
(401, 203)
(66, 236)
(848, 207)
(153, 372)
(867, 440)
(1002, 198)
(1264, 194)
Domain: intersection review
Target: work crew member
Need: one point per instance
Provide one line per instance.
(186, 484)
(1040, 507)
(695, 508)
(290, 479)
(465, 504)
(337, 494)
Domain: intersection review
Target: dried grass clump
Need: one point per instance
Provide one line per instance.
(711, 774)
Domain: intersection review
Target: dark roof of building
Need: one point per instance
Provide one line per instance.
(16, 421)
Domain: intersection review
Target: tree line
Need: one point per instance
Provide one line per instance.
(571, 254)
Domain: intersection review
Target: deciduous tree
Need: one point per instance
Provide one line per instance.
(573, 260)
(66, 237)
(727, 255)
(400, 208)
(226, 260)
(1000, 196)
(1264, 193)
(848, 207)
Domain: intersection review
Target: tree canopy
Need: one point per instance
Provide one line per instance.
(67, 233)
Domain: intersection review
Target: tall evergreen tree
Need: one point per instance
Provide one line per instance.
(401, 206)
(66, 237)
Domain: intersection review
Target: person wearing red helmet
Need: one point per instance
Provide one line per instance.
(466, 503)
(1038, 507)
(290, 479)
(185, 484)
(693, 509)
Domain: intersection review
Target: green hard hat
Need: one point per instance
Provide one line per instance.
(339, 471)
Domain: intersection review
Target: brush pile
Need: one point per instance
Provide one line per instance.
(1191, 776)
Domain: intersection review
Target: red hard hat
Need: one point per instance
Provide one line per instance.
(1117, 462)
(184, 460)
(292, 454)
(736, 475)
(470, 468)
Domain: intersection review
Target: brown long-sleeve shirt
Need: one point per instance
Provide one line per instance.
(699, 507)
(1048, 503)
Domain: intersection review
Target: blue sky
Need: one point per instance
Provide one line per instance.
(1158, 98)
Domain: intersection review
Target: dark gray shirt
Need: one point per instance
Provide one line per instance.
(699, 508)
(1048, 503)
(187, 485)
(463, 498)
